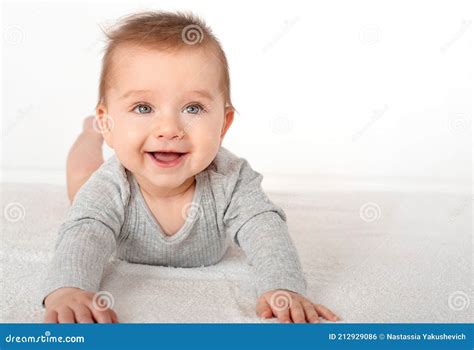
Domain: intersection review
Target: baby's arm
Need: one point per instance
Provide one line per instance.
(82, 250)
(281, 285)
(259, 227)
(86, 240)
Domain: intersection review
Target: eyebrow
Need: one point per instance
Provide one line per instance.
(134, 92)
(202, 93)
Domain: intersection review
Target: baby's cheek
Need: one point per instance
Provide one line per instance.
(128, 148)
(201, 158)
(207, 135)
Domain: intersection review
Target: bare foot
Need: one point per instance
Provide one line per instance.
(85, 156)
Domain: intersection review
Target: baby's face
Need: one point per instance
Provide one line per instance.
(165, 101)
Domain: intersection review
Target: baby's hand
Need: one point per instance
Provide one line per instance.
(74, 305)
(289, 306)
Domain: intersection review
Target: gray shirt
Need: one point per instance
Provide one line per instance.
(109, 214)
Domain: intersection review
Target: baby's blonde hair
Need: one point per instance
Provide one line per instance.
(164, 31)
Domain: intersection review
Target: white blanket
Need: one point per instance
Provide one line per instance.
(370, 257)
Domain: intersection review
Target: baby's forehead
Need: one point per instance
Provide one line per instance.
(200, 65)
(167, 73)
(134, 55)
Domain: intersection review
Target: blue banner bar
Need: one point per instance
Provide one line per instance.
(237, 336)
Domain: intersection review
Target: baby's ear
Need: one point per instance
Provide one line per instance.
(104, 124)
(228, 119)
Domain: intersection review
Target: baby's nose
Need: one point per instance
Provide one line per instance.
(168, 127)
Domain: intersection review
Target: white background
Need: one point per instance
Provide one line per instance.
(330, 95)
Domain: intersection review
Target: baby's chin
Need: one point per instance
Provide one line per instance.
(169, 179)
(164, 185)
(165, 189)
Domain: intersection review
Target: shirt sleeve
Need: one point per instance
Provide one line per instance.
(88, 235)
(259, 227)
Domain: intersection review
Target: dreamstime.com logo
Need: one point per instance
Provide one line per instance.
(46, 338)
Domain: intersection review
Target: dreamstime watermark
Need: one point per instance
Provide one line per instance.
(370, 212)
(280, 301)
(459, 124)
(465, 25)
(13, 35)
(191, 211)
(192, 34)
(189, 124)
(459, 301)
(21, 115)
(99, 42)
(370, 34)
(14, 212)
(103, 125)
(103, 300)
(281, 125)
(283, 30)
(290, 202)
(94, 46)
(463, 205)
(376, 115)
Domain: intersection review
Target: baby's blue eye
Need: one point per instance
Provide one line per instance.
(193, 109)
(142, 109)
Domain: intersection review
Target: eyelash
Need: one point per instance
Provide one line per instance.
(197, 104)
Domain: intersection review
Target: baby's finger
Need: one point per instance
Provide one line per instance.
(263, 309)
(50, 316)
(82, 314)
(113, 316)
(101, 316)
(283, 314)
(65, 315)
(297, 312)
(311, 314)
(325, 312)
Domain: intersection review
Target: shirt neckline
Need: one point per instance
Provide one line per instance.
(185, 229)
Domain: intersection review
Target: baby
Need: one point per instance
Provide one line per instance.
(171, 195)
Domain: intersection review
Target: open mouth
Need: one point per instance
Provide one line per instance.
(167, 159)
